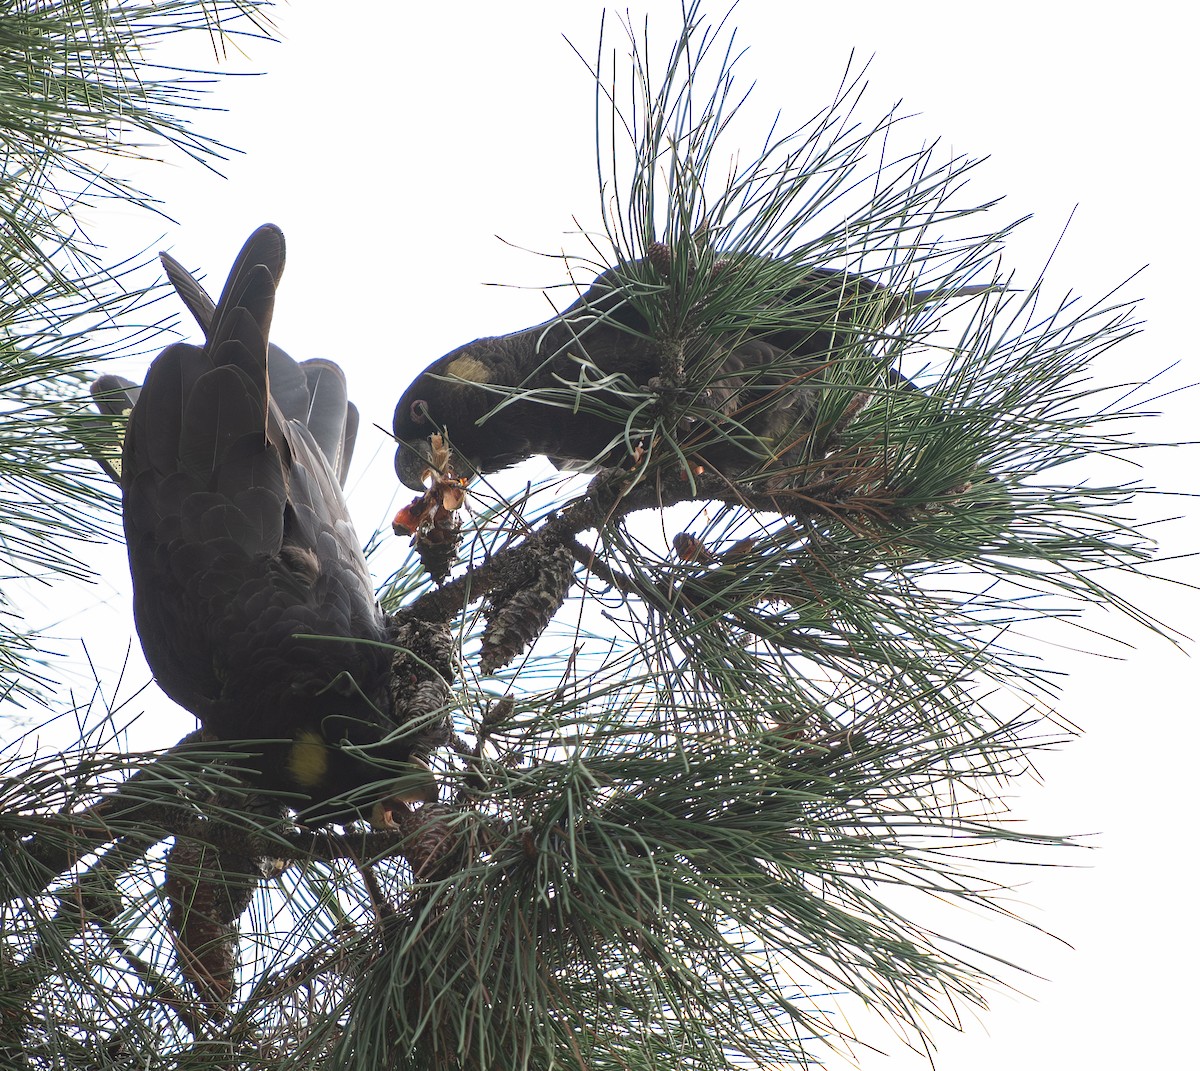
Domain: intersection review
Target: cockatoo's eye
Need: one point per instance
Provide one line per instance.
(418, 412)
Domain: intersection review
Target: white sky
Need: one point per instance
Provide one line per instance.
(393, 143)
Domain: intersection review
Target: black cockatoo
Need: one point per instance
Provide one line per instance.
(252, 597)
(750, 387)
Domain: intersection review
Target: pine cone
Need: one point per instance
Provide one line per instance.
(518, 615)
(429, 842)
(422, 670)
(208, 889)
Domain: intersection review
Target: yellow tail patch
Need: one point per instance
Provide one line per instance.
(308, 759)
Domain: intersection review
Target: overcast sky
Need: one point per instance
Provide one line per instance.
(394, 143)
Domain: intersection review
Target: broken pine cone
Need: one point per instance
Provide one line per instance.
(520, 613)
(432, 519)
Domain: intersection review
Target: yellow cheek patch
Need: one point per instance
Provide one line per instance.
(469, 368)
(308, 759)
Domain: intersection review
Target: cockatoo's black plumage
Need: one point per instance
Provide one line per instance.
(252, 598)
(749, 390)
